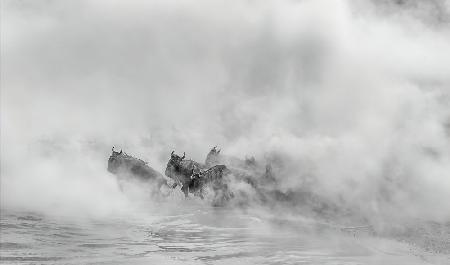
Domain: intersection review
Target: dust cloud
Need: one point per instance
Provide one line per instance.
(350, 97)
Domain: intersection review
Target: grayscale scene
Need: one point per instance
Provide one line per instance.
(225, 132)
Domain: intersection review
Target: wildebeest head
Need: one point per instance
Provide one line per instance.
(174, 166)
(196, 172)
(115, 161)
(215, 151)
(213, 157)
(176, 159)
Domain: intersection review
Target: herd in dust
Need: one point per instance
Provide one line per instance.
(222, 178)
(214, 175)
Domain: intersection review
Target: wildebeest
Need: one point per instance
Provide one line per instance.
(180, 170)
(122, 164)
(214, 157)
(247, 170)
(193, 177)
(215, 178)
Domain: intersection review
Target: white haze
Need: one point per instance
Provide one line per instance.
(353, 96)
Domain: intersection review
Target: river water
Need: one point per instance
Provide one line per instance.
(195, 233)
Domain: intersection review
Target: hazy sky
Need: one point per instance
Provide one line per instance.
(355, 94)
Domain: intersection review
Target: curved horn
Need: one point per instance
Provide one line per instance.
(120, 151)
(172, 153)
(184, 155)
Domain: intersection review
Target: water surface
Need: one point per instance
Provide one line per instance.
(198, 235)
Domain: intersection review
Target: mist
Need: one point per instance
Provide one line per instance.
(352, 96)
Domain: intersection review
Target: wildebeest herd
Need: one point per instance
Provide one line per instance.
(193, 177)
(222, 178)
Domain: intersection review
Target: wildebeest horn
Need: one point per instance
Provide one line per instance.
(172, 153)
(120, 152)
(184, 155)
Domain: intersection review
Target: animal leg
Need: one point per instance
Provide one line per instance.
(185, 190)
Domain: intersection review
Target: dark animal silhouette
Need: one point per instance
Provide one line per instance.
(247, 170)
(214, 177)
(193, 177)
(124, 165)
(214, 157)
(180, 169)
